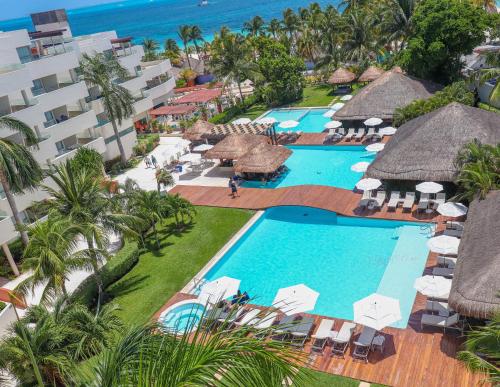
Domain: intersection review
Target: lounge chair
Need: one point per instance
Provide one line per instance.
(443, 272)
(359, 135)
(300, 331)
(249, 318)
(379, 200)
(370, 133)
(323, 334)
(450, 322)
(409, 201)
(365, 199)
(282, 329)
(453, 225)
(263, 325)
(331, 134)
(394, 200)
(341, 132)
(439, 307)
(454, 233)
(230, 316)
(363, 344)
(341, 340)
(440, 199)
(423, 203)
(350, 134)
(449, 262)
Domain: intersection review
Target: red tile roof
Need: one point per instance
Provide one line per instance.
(199, 96)
(173, 109)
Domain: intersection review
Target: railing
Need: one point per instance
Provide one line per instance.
(157, 81)
(122, 52)
(43, 90)
(10, 68)
(47, 54)
(71, 114)
(19, 105)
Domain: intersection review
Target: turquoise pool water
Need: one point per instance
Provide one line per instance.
(342, 258)
(320, 165)
(310, 120)
(182, 318)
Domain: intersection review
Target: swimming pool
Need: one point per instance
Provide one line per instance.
(310, 120)
(320, 165)
(343, 258)
(182, 316)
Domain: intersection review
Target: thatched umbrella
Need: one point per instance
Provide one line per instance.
(235, 146)
(341, 76)
(370, 74)
(381, 97)
(198, 131)
(473, 291)
(426, 147)
(232, 128)
(264, 158)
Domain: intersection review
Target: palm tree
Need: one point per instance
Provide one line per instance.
(255, 26)
(476, 180)
(290, 24)
(482, 350)
(484, 75)
(102, 71)
(19, 171)
(196, 357)
(184, 33)
(151, 208)
(195, 36)
(51, 256)
(359, 40)
(396, 21)
(150, 47)
(163, 177)
(179, 208)
(348, 6)
(274, 28)
(79, 198)
(171, 49)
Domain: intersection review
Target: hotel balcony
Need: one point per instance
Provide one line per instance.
(7, 229)
(143, 102)
(13, 78)
(134, 83)
(71, 124)
(129, 57)
(160, 86)
(155, 68)
(92, 143)
(56, 62)
(50, 98)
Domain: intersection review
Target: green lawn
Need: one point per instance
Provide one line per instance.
(322, 379)
(159, 274)
(253, 112)
(317, 95)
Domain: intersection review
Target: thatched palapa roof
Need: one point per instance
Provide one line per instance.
(380, 98)
(370, 74)
(198, 131)
(426, 147)
(235, 146)
(264, 158)
(250, 128)
(341, 76)
(476, 279)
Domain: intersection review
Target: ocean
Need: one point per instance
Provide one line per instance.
(159, 19)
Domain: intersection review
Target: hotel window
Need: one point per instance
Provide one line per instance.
(24, 54)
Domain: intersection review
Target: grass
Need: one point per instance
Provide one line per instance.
(316, 95)
(253, 112)
(322, 379)
(160, 274)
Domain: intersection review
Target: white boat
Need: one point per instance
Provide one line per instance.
(202, 3)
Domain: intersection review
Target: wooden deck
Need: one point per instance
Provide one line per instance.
(320, 139)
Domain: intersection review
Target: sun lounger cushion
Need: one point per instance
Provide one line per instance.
(345, 333)
(266, 321)
(324, 330)
(249, 318)
(366, 337)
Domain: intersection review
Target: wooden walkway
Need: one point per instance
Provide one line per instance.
(320, 139)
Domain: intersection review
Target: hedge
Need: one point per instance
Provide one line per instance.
(112, 271)
(228, 114)
(2, 306)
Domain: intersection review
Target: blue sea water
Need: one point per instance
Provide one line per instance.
(344, 259)
(159, 19)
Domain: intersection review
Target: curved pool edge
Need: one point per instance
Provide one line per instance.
(177, 304)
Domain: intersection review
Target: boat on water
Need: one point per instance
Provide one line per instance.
(202, 3)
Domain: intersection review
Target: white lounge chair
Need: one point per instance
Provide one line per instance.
(394, 200)
(450, 322)
(379, 200)
(323, 334)
(439, 307)
(453, 225)
(365, 199)
(453, 233)
(341, 340)
(359, 134)
(443, 272)
(363, 344)
(249, 318)
(264, 324)
(370, 133)
(341, 132)
(449, 262)
(350, 134)
(409, 201)
(440, 199)
(423, 203)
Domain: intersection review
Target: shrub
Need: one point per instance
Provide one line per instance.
(112, 271)
(2, 306)
(89, 159)
(228, 114)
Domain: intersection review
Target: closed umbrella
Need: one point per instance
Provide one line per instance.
(202, 147)
(433, 286)
(373, 121)
(288, 124)
(333, 125)
(219, 289)
(295, 299)
(362, 166)
(443, 244)
(377, 147)
(377, 311)
(388, 131)
(266, 120)
(329, 114)
(347, 97)
(368, 184)
(453, 210)
(242, 121)
(429, 187)
(337, 106)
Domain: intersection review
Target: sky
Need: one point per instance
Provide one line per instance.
(12, 9)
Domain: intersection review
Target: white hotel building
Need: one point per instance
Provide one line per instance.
(40, 85)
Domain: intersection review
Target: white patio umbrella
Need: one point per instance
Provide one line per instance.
(190, 157)
(219, 289)
(288, 124)
(368, 184)
(266, 120)
(347, 97)
(202, 147)
(243, 120)
(373, 121)
(333, 125)
(377, 311)
(443, 244)
(388, 131)
(377, 147)
(433, 286)
(453, 210)
(337, 106)
(362, 166)
(329, 114)
(429, 187)
(295, 299)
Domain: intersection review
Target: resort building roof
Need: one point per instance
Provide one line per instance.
(173, 109)
(474, 290)
(426, 147)
(198, 131)
(250, 128)
(341, 76)
(235, 146)
(391, 90)
(264, 158)
(187, 89)
(370, 74)
(199, 96)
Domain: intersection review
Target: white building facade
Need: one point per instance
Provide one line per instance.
(40, 85)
